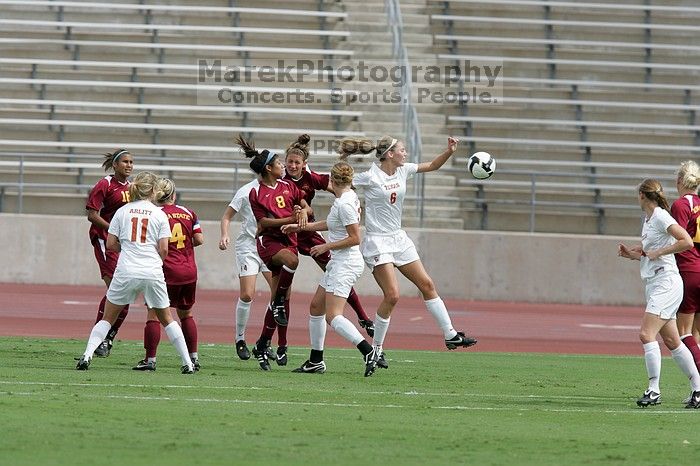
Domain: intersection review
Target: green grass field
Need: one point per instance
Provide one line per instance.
(427, 408)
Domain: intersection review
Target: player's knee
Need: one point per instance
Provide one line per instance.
(246, 296)
(646, 336)
(427, 287)
(391, 297)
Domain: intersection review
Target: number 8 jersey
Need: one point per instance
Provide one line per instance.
(275, 202)
(139, 225)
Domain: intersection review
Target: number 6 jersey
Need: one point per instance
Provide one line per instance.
(139, 225)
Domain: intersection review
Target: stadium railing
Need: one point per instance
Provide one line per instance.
(584, 5)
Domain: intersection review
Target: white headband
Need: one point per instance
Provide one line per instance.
(393, 141)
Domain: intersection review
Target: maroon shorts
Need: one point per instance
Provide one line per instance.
(268, 247)
(691, 293)
(309, 239)
(106, 259)
(182, 296)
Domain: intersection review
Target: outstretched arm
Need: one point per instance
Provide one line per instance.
(440, 160)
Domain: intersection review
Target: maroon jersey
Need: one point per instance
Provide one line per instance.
(309, 183)
(275, 202)
(179, 266)
(106, 197)
(686, 210)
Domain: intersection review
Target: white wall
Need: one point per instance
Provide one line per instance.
(464, 264)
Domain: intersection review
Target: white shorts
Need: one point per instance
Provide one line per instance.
(396, 248)
(664, 294)
(125, 290)
(341, 274)
(249, 263)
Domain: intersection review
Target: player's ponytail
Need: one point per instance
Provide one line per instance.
(164, 190)
(652, 190)
(350, 146)
(143, 186)
(689, 175)
(260, 159)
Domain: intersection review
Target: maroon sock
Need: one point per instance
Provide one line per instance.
(692, 345)
(151, 338)
(101, 310)
(285, 281)
(269, 326)
(282, 331)
(354, 302)
(189, 329)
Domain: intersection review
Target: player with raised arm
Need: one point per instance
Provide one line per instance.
(386, 245)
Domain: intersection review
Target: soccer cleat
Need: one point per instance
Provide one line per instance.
(262, 357)
(311, 368)
(651, 398)
(368, 325)
(83, 364)
(104, 349)
(196, 365)
(242, 350)
(281, 355)
(187, 369)
(694, 401)
(460, 340)
(371, 359)
(381, 362)
(144, 365)
(278, 314)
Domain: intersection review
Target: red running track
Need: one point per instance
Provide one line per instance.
(69, 312)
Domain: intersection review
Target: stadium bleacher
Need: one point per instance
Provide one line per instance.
(596, 96)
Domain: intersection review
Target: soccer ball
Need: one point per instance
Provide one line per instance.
(481, 165)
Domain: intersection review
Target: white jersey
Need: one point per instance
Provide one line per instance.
(655, 236)
(249, 226)
(384, 196)
(344, 211)
(139, 225)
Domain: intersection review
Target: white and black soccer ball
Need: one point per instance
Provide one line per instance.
(481, 165)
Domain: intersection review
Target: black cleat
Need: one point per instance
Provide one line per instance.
(83, 364)
(262, 357)
(368, 325)
(651, 398)
(281, 356)
(279, 315)
(187, 369)
(144, 365)
(693, 402)
(242, 350)
(311, 368)
(104, 349)
(460, 340)
(371, 359)
(196, 365)
(381, 362)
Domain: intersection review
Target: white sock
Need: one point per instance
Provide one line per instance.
(381, 326)
(652, 359)
(194, 356)
(437, 308)
(151, 360)
(346, 329)
(242, 314)
(97, 335)
(684, 359)
(317, 332)
(176, 337)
